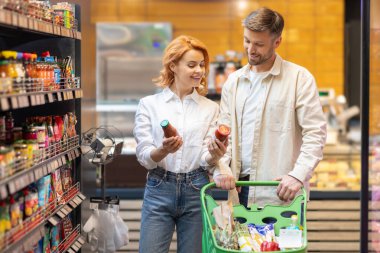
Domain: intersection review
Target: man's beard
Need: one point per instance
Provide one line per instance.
(259, 60)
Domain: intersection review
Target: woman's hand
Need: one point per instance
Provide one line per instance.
(216, 149)
(169, 145)
(172, 144)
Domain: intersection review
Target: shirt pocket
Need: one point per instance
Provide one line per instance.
(280, 115)
(196, 133)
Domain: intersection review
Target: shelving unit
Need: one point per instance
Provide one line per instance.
(19, 32)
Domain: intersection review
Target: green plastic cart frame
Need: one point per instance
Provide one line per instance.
(279, 214)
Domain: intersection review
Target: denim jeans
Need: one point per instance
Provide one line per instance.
(172, 200)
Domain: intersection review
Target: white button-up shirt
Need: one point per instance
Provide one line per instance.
(194, 118)
(250, 97)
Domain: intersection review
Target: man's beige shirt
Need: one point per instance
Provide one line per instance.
(290, 128)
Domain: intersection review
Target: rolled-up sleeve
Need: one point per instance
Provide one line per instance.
(143, 136)
(210, 134)
(313, 124)
(225, 118)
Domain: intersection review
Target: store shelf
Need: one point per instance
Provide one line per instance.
(33, 93)
(14, 240)
(23, 175)
(72, 243)
(16, 21)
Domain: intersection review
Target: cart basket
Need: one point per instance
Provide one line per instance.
(279, 215)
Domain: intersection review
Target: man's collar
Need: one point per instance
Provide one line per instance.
(275, 70)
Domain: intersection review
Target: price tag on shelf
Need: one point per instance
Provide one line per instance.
(22, 101)
(3, 192)
(33, 101)
(50, 97)
(72, 203)
(59, 96)
(23, 21)
(77, 200)
(49, 167)
(25, 101)
(76, 151)
(77, 244)
(59, 161)
(8, 17)
(38, 100)
(68, 209)
(45, 170)
(63, 158)
(4, 104)
(42, 98)
(38, 173)
(81, 240)
(81, 196)
(64, 95)
(75, 248)
(2, 16)
(54, 220)
(69, 156)
(15, 19)
(63, 210)
(50, 28)
(61, 214)
(14, 102)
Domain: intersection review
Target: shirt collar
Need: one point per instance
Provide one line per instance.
(169, 94)
(275, 70)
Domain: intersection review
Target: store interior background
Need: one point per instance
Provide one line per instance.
(321, 35)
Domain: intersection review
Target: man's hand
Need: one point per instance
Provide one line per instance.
(225, 181)
(288, 187)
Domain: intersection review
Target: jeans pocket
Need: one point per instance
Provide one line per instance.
(154, 181)
(198, 182)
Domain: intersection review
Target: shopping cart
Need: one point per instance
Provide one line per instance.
(279, 215)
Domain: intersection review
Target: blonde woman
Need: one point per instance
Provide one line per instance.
(176, 165)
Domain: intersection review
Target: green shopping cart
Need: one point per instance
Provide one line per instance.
(279, 215)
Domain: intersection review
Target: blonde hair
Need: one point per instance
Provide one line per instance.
(264, 19)
(173, 54)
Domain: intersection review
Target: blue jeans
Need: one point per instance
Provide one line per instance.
(172, 200)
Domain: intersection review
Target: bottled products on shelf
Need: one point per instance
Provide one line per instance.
(22, 72)
(221, 68)
(62, 14)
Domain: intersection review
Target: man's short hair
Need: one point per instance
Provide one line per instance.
(265, 19)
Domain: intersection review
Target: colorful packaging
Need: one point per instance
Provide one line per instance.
(57, 186)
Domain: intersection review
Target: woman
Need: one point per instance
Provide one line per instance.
(176, 165)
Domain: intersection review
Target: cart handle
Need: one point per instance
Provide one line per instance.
(248, 183)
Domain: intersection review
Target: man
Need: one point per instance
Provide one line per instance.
(278, 129)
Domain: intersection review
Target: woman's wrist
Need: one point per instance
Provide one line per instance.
(211, 160)
(158, 154)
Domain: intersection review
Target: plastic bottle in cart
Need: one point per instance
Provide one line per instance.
(294, 223)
